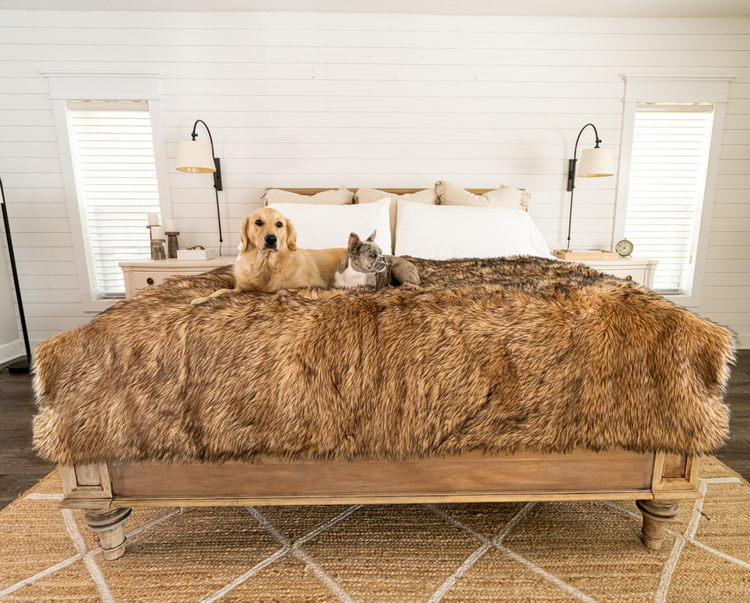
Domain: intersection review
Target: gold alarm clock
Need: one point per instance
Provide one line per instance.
(624, 248)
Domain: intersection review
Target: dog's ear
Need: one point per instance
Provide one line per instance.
(354, 243)
(291, 236)
(245, 238)
(371, 238)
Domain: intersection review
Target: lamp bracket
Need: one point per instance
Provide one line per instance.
(217, 174)
(571, 174)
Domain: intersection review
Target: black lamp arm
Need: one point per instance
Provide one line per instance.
(194, 133)
(217, 162)
(572, 162)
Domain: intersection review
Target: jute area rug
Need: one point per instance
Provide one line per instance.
(534, 552)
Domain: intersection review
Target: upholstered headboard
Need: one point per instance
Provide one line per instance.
(392, 191)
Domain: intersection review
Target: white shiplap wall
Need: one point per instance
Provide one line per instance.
(323, 100)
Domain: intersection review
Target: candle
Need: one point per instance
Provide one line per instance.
(157, 232)
(153, 218)
(171, 226)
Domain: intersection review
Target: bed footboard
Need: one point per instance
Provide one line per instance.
(656, 481)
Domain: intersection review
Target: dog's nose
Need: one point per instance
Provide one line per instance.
(271, 240)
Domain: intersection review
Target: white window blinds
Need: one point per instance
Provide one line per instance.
(665, 193)
(113, 155)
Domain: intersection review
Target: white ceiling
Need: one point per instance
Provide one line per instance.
(558, 8)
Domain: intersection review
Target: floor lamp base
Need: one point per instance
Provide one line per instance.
(22, 366)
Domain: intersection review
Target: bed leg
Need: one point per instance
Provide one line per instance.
(110, 526)
(656, 515)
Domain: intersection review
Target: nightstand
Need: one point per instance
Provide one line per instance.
(144, 273)
(640, 270)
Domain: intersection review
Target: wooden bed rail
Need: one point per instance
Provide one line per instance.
(657, 482)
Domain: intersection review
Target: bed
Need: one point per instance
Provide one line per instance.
(513, 379)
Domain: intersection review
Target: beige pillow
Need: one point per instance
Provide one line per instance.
(370, 195)
(505, 196)
(341, 196)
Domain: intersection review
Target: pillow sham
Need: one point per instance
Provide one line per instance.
(340, 196)
(324, 226)
(505, 196)
(435, 232)
(370, 195)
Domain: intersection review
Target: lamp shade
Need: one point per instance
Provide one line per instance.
(194, 156)
(596, 163)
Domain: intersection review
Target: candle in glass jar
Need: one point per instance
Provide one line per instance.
(157, 232)
(153, 218)
(171, 226)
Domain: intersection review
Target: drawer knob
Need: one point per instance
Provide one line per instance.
(150, 281)
(627, 278)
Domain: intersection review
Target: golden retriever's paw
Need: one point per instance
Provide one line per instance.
(199, 300)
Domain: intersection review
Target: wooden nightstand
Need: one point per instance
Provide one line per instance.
(143, 273)
(640, 270)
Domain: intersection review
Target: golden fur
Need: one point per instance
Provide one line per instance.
(285, 266)
(487, 355)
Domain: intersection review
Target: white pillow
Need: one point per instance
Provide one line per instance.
(324, 226)
(439, 232)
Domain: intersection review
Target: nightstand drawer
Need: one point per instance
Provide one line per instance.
(146, 279)
(636, 274)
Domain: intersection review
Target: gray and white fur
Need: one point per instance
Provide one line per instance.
(363, 265)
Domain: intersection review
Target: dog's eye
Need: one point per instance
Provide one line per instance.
(259, 222)
(279, 225)
(373, 255)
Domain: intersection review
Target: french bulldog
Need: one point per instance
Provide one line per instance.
(363, 265)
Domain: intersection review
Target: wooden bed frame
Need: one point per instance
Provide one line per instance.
(657, 481)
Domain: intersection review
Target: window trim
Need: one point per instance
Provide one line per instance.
(101, 85)
(675, 89)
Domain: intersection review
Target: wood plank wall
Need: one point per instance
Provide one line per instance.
(316, 100)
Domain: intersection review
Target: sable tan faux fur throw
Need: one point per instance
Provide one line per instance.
(490, 355)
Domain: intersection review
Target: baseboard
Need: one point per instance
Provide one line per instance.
(11, 351)
(743, 341)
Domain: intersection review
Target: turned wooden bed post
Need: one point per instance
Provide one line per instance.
(110, 526)
(89, 487)
(656, 516)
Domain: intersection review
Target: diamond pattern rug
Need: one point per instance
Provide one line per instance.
(531, 552)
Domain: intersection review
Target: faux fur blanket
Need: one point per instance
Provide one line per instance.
(488, 355)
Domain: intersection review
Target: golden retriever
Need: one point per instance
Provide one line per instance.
(270, 260)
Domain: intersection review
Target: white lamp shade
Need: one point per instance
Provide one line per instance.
(194, 156)
(596, 163)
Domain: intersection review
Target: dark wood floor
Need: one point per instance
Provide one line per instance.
(20, 469)
(736, 453)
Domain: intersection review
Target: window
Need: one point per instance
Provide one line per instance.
(669, 158)
(668, 166)
(104, 121)
(113, 155)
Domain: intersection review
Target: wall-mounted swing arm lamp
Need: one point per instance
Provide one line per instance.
(198, 157)
(595, 163)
